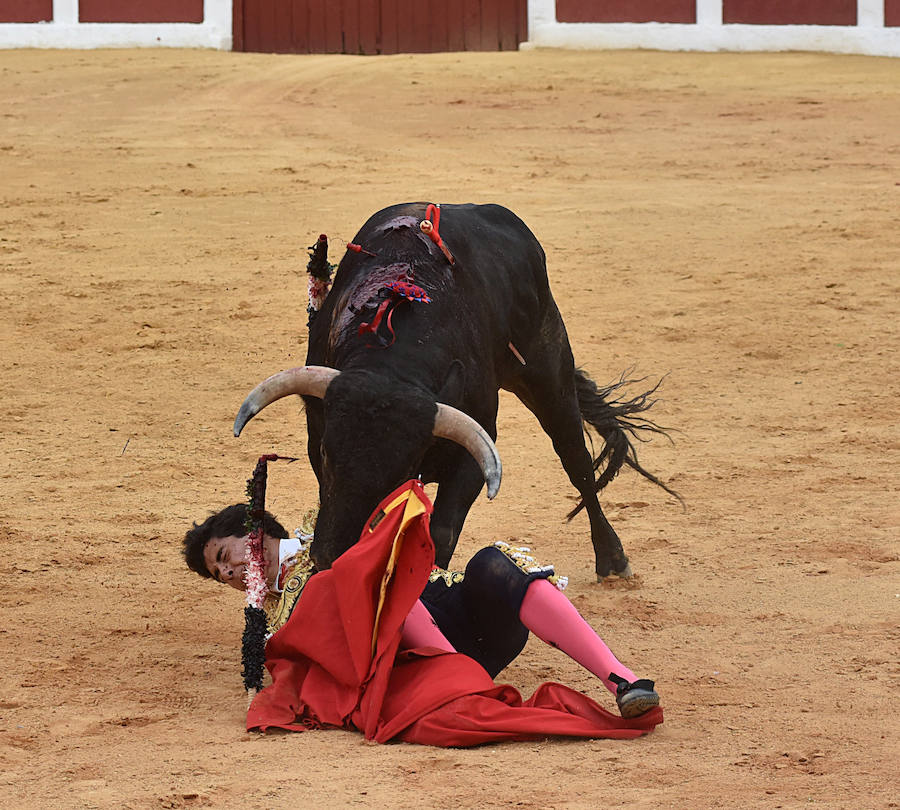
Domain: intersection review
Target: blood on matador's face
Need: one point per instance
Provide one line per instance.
(226, 561)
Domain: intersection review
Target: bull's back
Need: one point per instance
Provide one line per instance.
(498, 259)
(476, 235)
(496, 288)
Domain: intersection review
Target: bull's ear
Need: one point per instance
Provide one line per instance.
(454, 386)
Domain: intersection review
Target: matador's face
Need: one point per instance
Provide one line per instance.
(226, 561)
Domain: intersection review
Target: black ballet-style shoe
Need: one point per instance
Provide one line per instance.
(634, 698)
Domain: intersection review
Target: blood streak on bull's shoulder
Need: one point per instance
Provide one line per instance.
(365, 292)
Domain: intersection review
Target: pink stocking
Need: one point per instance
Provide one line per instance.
(547, 613)
(419, 630)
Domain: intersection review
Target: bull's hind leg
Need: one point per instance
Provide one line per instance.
(546, 385)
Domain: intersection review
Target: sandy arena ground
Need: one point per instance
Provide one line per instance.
(730, 221)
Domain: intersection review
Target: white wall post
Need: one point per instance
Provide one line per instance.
(65, 12)
(541, 15)
(709, 12)
(870, 13)
(217, 14)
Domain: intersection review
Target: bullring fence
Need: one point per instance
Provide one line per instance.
(406, 26)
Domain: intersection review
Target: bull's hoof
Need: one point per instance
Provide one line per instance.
(624, 573)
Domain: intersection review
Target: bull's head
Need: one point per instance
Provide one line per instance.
(371, 442)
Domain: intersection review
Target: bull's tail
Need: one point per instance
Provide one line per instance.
(617, 422)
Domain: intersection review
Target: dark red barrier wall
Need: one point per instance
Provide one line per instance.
(378, 26)
(635, 11)
(140, 11)
(26, 11)
(892, 12)
(790, 12)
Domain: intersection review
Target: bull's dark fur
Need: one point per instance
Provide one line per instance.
(372, 430)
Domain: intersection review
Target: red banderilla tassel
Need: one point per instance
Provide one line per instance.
(430, 225)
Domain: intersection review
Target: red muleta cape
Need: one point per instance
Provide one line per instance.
(324, 672)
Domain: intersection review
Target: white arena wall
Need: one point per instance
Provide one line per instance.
(65, 31)
(868, 36)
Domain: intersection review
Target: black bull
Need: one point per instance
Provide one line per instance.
(491, 323)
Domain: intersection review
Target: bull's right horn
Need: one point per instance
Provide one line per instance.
(453, 424)
(310, 381)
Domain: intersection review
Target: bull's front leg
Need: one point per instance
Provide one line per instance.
(456, 493)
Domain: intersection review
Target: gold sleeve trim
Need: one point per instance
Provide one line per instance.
(279, 607)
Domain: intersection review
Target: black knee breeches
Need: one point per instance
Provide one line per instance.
(480, 615)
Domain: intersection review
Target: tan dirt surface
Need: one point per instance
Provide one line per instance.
(730, 221)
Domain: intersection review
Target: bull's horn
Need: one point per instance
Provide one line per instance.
(453, 424)
(308, 380)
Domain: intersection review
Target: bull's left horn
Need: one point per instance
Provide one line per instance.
(310, 381)
(461, 428)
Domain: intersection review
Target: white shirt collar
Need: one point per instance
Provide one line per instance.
(287, 550)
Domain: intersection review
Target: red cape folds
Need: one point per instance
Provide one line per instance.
(325, 675)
